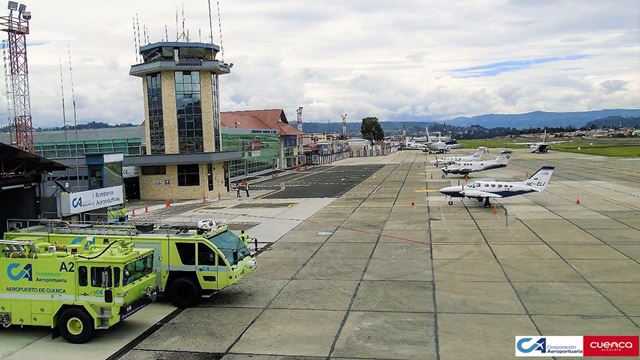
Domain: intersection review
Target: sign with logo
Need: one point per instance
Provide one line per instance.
(78, 202)
(16, 272)
(130, 171)
(255, 147)
(576, 346)
(610, 346)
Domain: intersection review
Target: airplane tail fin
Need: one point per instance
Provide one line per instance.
(504, 157)
(426, 131)
(479, 152)
(540, 179)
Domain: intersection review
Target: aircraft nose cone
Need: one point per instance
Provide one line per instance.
(450, 190)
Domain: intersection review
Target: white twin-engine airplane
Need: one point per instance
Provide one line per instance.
(483, 190)
(467, 167)
(541, 147)
(452, 159)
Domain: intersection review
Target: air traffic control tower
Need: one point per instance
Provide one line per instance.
(182, 121)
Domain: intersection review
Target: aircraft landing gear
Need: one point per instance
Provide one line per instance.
(486, 203)
(450, 202)
(443, 175)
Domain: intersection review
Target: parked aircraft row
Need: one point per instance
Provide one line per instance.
(469, 166)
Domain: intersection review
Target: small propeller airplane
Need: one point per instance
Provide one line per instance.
(483, 190)
(452, 159)
(467, 167)
(541, 147)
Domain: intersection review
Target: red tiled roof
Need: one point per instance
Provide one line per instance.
(259, 119)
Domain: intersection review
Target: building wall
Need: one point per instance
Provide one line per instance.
(170, 117)
(206, 99)
(154, 187)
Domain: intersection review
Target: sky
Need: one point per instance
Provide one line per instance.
(396, 60)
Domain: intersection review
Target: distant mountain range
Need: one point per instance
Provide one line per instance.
(615, 121)
(538, 119)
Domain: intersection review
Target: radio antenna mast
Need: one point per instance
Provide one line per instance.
(64, 113)
(138, 31)
(75, 116)
(135, 41)
(220, 30)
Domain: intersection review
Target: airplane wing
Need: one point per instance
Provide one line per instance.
(479, 194)
(556, 142)
(527, 143)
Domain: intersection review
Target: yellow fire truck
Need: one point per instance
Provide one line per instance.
(74, 289)
(189, 262)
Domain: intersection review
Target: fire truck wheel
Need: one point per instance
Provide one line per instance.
(76, 326)
(183, 293)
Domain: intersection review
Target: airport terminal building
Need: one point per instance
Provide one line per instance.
(185, 148)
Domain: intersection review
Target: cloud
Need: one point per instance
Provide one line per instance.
(388, 59)
(613, 86)
(511, 65)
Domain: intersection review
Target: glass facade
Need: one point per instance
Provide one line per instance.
(189, 112)
(154, 102)
(260, 153)
(67, 149)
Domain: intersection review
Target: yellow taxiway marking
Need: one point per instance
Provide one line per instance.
(426, 190)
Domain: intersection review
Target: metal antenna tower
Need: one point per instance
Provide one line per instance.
(7, 84)
(16, 24)
(343, 117)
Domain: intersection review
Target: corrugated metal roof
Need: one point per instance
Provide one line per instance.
(259, 119)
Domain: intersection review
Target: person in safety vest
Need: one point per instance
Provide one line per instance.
(244, 237)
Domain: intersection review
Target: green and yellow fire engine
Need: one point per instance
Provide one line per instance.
(189, 262)
(74, 289)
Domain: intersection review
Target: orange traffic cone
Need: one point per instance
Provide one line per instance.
(431, 176)
(146, 208)
(219, 197)
(133, 212)
(167, 203)
(526, 174)
(494, 209)
(577, 200)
